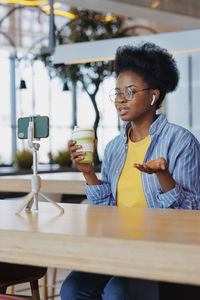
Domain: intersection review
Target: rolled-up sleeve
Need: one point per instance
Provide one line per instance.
(101, 194)
(186, 173)
(179, 198)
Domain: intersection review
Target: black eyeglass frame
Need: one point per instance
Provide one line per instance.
(123, 93)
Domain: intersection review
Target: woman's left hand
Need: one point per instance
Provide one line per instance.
(152, 166)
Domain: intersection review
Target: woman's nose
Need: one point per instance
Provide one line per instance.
(121, 97)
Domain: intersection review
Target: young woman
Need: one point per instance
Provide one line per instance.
(151, 164)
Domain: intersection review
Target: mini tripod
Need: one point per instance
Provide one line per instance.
(32, 197)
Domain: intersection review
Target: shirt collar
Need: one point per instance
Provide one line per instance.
(155, 128)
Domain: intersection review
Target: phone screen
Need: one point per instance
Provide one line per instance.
(41, 127)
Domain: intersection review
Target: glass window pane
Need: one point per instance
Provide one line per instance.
(5, 112)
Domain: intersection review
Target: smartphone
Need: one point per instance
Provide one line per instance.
(41, 127)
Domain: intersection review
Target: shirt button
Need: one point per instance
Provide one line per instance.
(117, 171)
(124, 151)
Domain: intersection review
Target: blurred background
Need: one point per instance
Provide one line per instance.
(76, 93)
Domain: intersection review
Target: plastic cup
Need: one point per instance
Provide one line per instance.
(85, 138)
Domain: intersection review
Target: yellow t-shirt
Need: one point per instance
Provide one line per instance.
(129, 189)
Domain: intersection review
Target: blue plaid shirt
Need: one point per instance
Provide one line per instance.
(182, 153)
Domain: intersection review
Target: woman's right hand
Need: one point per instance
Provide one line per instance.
(77, 156)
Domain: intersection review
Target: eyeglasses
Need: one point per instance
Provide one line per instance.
(128, 93)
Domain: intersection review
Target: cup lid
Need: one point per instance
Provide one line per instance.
(76, 128)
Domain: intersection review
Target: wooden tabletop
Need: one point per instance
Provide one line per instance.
(146, 243)
(61, 183)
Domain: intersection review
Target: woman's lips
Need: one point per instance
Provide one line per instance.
(123, 111)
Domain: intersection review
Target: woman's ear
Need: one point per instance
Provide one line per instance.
(155, 93)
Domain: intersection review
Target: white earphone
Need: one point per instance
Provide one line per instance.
(153, 100)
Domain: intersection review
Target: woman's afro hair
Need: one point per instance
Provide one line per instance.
(153, 64)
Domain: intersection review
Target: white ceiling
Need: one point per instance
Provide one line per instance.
(136, 11)
(174, 42)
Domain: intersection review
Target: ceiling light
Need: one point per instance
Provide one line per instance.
(47, 7)
(65, 87)
(155, 4)
(25, 2)
(22, 85)
(64, 14)
(110, 18)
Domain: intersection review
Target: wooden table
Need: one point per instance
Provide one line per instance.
(144, 243)
(61, 183)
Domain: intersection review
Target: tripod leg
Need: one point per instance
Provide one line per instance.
(29, 198)
(53, 202)
(35, 201)
(30, 204)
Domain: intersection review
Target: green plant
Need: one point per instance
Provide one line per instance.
(63, 158)
(24, 159)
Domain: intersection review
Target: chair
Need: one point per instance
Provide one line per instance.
(178, 291)
(9, 297)
(13, 274)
